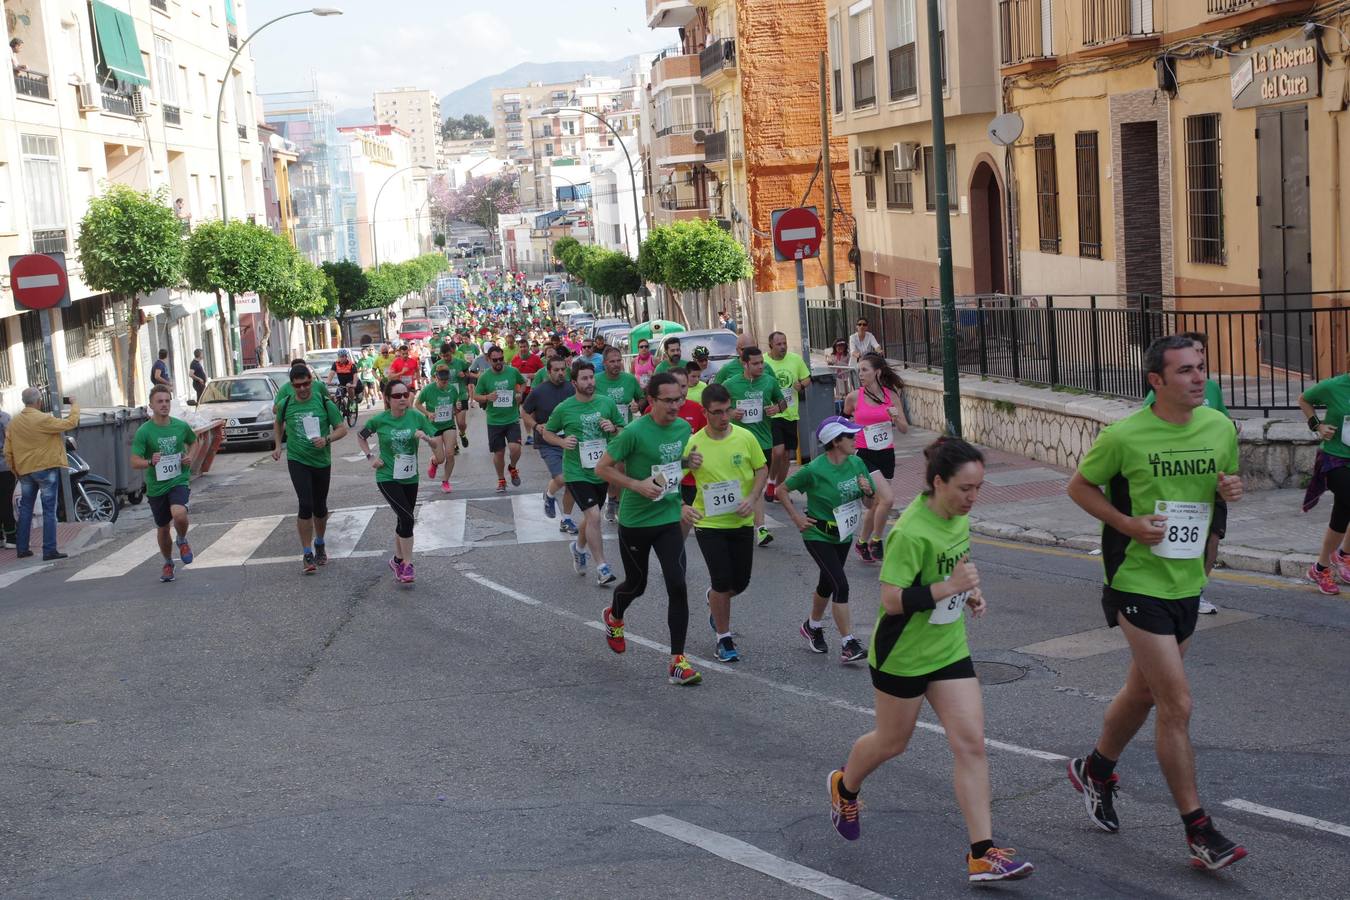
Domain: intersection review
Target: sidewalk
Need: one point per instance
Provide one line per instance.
(1025, 500)
(72, 538)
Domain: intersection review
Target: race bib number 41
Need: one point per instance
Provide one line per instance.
(405, 465)
(1185, 531)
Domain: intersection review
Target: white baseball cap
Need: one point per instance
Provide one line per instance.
(834, 426)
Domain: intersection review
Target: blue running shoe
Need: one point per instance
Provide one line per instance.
(550, 506)
(578, 559)
(567, 526)
(726, 651)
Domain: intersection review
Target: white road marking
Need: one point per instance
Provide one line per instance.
(123, 560)
(357, 458)
(344, 530)
(709, 665)
(1106, 640)
(531, 525)
(277, 560)
(235, 546)
(8, 578)
(1293, 818)
(440, 525)
(751, 857)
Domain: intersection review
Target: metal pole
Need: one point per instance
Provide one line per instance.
(951, 380)
(829, 182)
(374, 207)
(632, 180)
(801, 307)
(54, 404)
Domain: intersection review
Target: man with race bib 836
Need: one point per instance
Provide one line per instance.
(1161, 468)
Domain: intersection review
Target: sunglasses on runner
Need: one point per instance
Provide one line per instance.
(302, 384)
(394, 394)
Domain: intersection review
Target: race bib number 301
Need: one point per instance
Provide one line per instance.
(1184, 532)
(169, 467)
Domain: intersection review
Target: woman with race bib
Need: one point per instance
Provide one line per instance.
(876, 407)
(919, 651)
(399, 429)
(838, 490)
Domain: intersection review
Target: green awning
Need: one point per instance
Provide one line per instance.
(117, 42)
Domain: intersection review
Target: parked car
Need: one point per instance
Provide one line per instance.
(604, 327)
(415, 330)
(569, 308)
(244, 402)
(721, 346)
(439, 316)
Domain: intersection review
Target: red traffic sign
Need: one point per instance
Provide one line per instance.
(39, 281)
(797, 233)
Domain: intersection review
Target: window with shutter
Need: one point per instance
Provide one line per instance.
(1089, 195)
(1047, 193)
(862, 49)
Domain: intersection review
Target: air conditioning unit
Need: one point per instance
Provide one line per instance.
(700, 135)
(140, 102)
(90, 97)
(906, 155)
(864, 160)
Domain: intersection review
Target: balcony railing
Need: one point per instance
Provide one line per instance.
(243, 132)
(117, 100)
(683, 128)
(717, 56)
(172, 114)
(1021, 31)
(678, 204)
(49, 240)
(1105, 21)
(904, 72)
(864, 83)
(1227, 7)
(715, 146)
(32, 84)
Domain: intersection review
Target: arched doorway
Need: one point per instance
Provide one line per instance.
(986, 231)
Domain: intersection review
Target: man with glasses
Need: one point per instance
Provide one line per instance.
(652, 453)
(861, 343)
(621, 387)
(499, 391)
(313, 422)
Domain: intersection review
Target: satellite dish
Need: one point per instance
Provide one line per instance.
(1005, 129)
(700, 135)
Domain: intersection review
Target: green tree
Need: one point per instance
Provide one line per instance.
(702, 255)
(563, 247)
(386, 284)
(350, 283)
(439, 240)
(130, 244)
(465, 127)
(614, 275)
(235, 258)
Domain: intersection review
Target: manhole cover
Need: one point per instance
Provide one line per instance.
(998, 673)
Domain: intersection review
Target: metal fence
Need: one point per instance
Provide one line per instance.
(1264, 350)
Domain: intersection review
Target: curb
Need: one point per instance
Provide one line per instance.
(1231, 556)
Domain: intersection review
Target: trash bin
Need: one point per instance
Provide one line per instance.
(104, 439)
(817, 406)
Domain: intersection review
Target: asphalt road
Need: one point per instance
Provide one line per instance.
(250, 732)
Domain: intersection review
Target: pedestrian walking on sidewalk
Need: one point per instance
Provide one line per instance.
(8, 527)
(35, 452)
(1331, 472)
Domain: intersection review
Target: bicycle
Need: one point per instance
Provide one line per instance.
(348, 405)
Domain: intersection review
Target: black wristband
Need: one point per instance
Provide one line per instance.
(1314, 423)
(918, 598)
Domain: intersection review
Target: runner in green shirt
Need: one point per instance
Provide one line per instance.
(919, 653)
(1331, 472)
(365, 371)
(652, 453)
(583, 425)
(160, 448)
(793, 375)
(313, 422)
(838, 488)
(286, 392)
(671, 348)
(728, 480)
(498, 391)
(623, 388)
(755, 396)
(440, 401)
(399, 428)
(1161, 468)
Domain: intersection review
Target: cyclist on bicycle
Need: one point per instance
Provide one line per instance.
(344, 373)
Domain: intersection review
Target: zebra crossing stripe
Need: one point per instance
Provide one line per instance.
(235, 546)
(440, 525)
(122, 560)
(344, 531)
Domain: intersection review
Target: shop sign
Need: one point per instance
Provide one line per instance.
(1282, 72)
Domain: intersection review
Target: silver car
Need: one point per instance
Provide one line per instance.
(244, 402)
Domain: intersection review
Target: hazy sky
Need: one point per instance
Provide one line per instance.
(441, 45)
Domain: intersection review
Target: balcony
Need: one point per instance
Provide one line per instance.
(172, 115)
(1107, 22)
(678, 209)
(1262, 9)
(674, 64)
(49, 240)
(116, 100)
(1024, 34)
(715, 146)
(670, 13)
(717, 57)
(674, 145)
(243, 132)
(32, 84)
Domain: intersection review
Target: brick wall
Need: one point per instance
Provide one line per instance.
(780, 42)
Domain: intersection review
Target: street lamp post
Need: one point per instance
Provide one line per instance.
(637, 216)
(220, 152)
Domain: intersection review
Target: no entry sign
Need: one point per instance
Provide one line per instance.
(39, 281)
(797, 233)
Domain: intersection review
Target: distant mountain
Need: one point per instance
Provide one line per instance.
(477, 97)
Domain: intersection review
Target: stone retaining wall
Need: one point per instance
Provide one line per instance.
(1058, 428)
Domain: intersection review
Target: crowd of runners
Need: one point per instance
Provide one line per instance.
(647, 441)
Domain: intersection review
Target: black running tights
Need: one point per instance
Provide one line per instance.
(402, 499)
(830, 558)
(1338, 482)
(635, 548)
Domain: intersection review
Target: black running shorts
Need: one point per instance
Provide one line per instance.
(587, 494)
(1152, 614)
(907, 687)
(785, 433)
(501, 435)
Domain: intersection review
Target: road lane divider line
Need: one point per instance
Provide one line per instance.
(1293, 818)
(8, 578)
(757, 860)
(710, 665)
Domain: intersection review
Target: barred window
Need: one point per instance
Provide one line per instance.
(870, 190)
(1089, 199)
(1047, 193)
(930, 179)
(899, 185)
(79, 321)
(1204, 189)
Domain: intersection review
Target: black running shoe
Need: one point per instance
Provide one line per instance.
(852, 651)
(1098, 796)
(321, 554)
(815, 637)
(1211, 850)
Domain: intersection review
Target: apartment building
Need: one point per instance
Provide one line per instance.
(511, 109)
(741, 83)
(572, 134)
(883, 103)
(418, 114)
(118, 92)
(392, 212)
(1190, 150)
